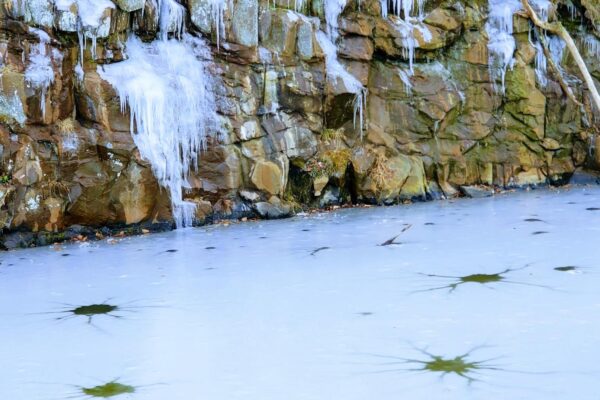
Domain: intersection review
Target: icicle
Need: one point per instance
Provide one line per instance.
(541, 63)
(79, 72)
(502, 45)
(16, 8)
(409, 43)
(384, 8)
(405, 78)
(90, 21)
(335, 70)
(299, 5)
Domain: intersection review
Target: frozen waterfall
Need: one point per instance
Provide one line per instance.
(168, 92)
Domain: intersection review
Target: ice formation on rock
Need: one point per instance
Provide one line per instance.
(218, 9)
(168, 91)
(172, 18)
(541, 64)
(16, 8)
(333, 9)
(403, 8)
(405, 78)
(11, 108)
(591, 45)
(335, 70)
(501, 44)
(411, 14)
(409, 42)
(542, 8)
(557, 48)
(90, 18)
(39, 73)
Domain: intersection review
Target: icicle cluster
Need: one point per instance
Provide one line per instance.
(557, 48)
(591, 45)
(17, 7)
(168, 91)
(411, 14)
(556, 45)
(501, 44)
(90, 20)
(335, 70)
(218, 9)
(39, 73)
(403, 8)
(172, 18)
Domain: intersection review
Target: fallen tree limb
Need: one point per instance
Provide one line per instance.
(558, 29)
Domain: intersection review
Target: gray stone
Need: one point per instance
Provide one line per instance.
(477, 192)
(18, 240)
(40, 12)
(331, 197)
(249, 195)
(245, 22)
(200, 13)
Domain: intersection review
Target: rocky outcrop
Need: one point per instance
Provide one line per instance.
(433, 120)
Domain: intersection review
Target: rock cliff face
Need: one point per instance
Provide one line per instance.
(308, 103)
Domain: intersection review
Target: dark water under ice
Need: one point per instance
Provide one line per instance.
(476, 299)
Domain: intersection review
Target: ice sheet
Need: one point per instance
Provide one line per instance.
(315, 308)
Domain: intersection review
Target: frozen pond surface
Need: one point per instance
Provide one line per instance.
(314, 308)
